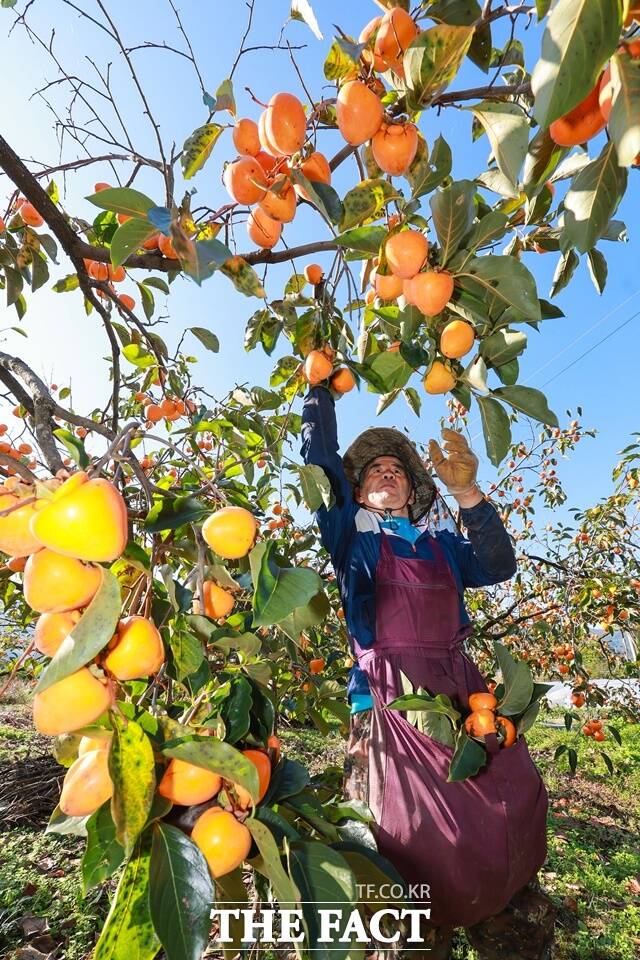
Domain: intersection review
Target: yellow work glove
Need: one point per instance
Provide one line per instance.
(458, 470)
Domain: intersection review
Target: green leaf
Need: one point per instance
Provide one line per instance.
(279, 590)
(624, 121)
(236, 710)
(178, 868)
(363, 240)
(339, 63)
(129, 236)
(302, 10)
(499, 283)
(173, 512)
(542, 158)
(217, 756)
(432, 61)
(516, 681)
(528, 718)
(197, 148)
(207, 338)
(60, 823)
(90, 635)
(507, 128)
(306, 616)
(39, 271)
(187, 653)
(132, 770)
(531, 402)
(579, 37)
(597, 269)
(324, 881)
(148, 301)
(385, 371)
(492, 227)
(502, 346)
(315, 487)
(509, 372)
(429, 170)
(103, 854)
(453, 210)
(565, 269)
(74, 446)
(496, 428)
(243, 277)
(592, 200)
(469, 757)
(269, 864)
(123, 200)
(71, 282)
(322, 195)
(128, 933)
(366, 201)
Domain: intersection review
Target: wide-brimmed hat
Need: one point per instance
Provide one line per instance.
(385, 441)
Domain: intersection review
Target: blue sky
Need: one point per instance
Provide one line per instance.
(66, 346)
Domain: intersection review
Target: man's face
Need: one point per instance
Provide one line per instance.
(385, 485)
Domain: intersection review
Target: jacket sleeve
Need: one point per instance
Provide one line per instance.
(487, 557)
(320, 447)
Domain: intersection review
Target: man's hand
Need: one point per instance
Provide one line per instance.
(458, 470)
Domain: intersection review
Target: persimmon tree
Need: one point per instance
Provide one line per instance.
(189, 648)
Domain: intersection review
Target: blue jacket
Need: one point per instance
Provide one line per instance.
(351, 534)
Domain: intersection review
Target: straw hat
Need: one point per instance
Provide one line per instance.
(384, 441)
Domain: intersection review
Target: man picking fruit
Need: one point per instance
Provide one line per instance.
(475, 844)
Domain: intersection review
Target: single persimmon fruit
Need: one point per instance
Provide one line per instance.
(166, 247)
(136, 650)
(387, 287)
(54, 583)
(456, 339)
(187, 784)
(245, 180)
(394, 147)
(508, 731)
(262, 229)
(580, 124)
(342, 381)
(439, 378)
(406, 253)
(396, 32)
(263, 765)
(230, 532)
(73, 702)
(285, 123)
(52, 628)
(217, 602)
(97, 187)
(316, 169)
(16, 537)
(87, 784)
(224, 841)
(317, 367)
(126, 301)
(313, 273)
(480, 722)
(482, 701)
(316, 666)
(279, 202)
(30, 215)
(431, 291)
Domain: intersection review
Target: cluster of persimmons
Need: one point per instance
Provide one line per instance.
(483, 720)
(59, 539)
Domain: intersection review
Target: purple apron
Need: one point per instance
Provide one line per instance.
(475, 842)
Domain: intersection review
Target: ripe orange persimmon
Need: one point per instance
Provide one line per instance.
(456, 339)
(266, 161)
(97, 187)
(369, 56)
(52, 628)
(508, 730)
(186, 784)
(387, 287)
(126, 301)
(97, 270)
(480, 722)
(136, 650)
(580, 124)
(217, 602)
(395, 33)
(316, 666)
(54, 583)
(274, 747)
(359, 112)
(439, 378)
(230, 532)
(314, 168)
(262, 229)
(30, 215)
(224, 841)
(342, 381)
(317, 367)
(166, 247)
(99, 740)
(87, 784)
(406, 253)
(71, 703)
(285, 123)
(482, 701)
(394, 147)
(267, 146)
(245, 180)
(313, 273)
(85, 519)
(245, 138)
(16, 536)
(16, 564)
(279, 202)
(263, 765)
(3, 225)
(430, 291)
